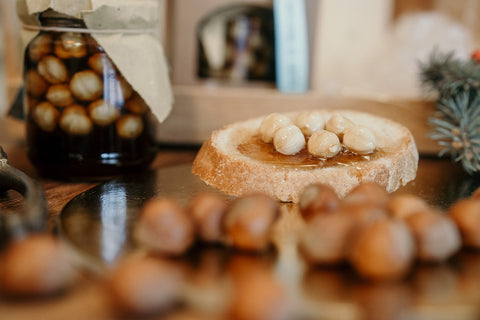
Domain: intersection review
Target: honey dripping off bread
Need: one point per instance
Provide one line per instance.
(238, 159)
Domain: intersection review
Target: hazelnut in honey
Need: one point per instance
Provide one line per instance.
(273, 155)
(85, 119)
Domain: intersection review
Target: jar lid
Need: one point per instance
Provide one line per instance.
(54, 18)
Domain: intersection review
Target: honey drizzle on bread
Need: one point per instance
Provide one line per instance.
(221, 164)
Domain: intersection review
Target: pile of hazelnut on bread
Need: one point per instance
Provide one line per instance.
(324, 138)
(72, 85)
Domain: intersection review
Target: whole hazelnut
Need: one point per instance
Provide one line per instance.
(74, 120)
(249, 220)
(35, 265)
(337, 124)
(324, 144)
(260, 297)
(370, 193)
(136, 104)
(103, 113)
(40, 46)
(466, 215)
(45, 116)
(317, 198)
(59, 95)
(384, 249)
(143, 286)
(326, 238)
(164, 227)
(53, 70)
(207, 211)
(129, 126)
(35, 84)
(289, 140)
(360, 140)
(436, 235)
(270, 124)
(400, 206)
(70, 45)
(86, 85)
(362, 213)
(31, 103)
(125, 88)
(437, 284)
(99, 62)
(310, 122)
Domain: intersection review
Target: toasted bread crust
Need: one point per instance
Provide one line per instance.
(220, 164)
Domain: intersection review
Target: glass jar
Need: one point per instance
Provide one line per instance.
(84, 120)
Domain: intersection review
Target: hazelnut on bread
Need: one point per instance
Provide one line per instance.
(222, 163)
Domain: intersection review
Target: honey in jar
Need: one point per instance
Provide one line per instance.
(84, 119)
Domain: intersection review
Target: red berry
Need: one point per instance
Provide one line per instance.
(476, 55)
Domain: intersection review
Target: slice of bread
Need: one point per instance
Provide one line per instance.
(222, 162)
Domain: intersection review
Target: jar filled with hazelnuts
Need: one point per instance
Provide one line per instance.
(84, 118)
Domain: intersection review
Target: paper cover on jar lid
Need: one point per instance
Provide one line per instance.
(134, 49)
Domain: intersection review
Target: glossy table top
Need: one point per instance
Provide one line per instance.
(96, 219)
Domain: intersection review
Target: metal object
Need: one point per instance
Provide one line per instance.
(33, 216)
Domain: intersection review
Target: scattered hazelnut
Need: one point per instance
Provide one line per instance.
(466, 214)
(385, 300)
(126, 89)
(309, 122)
(45, 116)
(383, 249)
(39, 47)
(271, 124)
(70, 45)
(164, 227)
(317, 198)
(362, 213)
(142, 286)
(86, 85)
(435, 284)
(99, 62)
(360, 140)
(400, 206)
(260, 297)
(326, 238)
(248, 222)
(59, 95)
(289, 140)
(52, 69)
(338, 124)
(35, 84)
(74, 120)
(436, 236)
(324, 144)
(35, 265)
(103, 113)
(207, 211)
(370, 193)
(31, 103)
(136, 104)
(129, 126)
